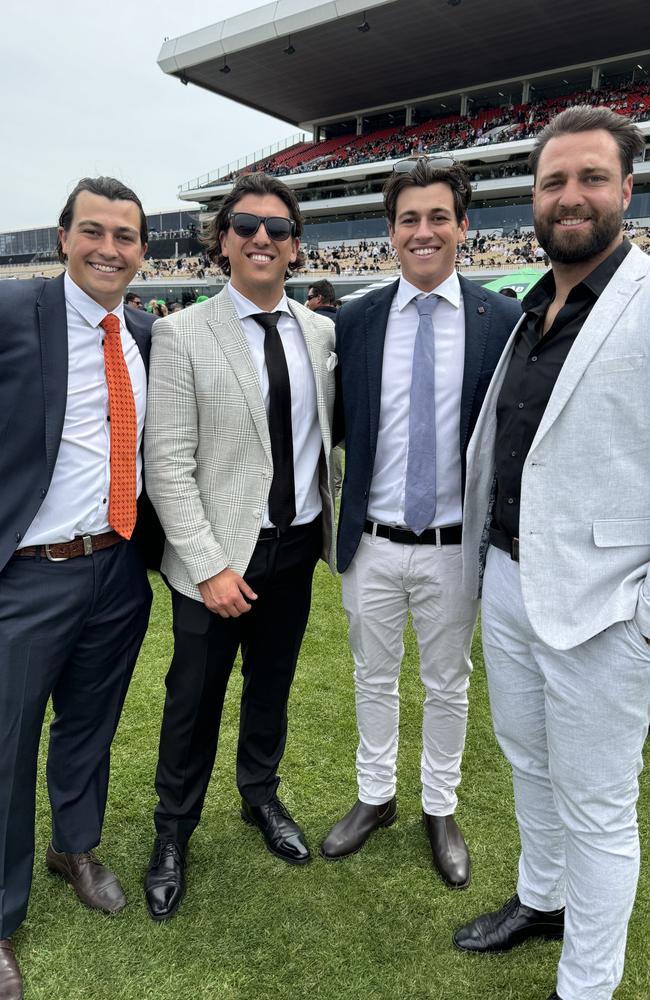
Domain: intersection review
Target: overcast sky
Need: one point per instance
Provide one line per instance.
(81, 94)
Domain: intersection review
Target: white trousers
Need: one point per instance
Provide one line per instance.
(572, 724)
(383, 583)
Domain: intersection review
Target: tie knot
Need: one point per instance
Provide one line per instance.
(110, 324)
(269, 321)
(426, 306)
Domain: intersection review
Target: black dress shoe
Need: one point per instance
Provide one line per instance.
(164, 883)
(554, 996)
(282, 835)
(449, 850)
(513, 924)
(350, 833)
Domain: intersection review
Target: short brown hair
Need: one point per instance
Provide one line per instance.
(585, 118)
(256, 183)
(423, 174)
(324, 289)
(106, 187)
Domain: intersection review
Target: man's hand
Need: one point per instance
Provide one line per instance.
(225, 594)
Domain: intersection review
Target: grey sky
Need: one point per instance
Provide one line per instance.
(82, 95)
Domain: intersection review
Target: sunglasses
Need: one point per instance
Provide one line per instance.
(437, 162)
(312, 296)
(277, 227)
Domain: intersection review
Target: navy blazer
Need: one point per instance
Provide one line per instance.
(33, 394)
(360, 334)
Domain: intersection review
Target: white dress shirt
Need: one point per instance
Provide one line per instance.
(77, 500)
(306, 433)
(386, 498)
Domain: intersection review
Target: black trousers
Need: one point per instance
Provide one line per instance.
(205, 647)
(71, 630)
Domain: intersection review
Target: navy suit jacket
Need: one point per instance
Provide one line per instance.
(360, 334)
(33, 393)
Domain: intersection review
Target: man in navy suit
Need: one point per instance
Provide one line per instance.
(415, 360)
(74, 595)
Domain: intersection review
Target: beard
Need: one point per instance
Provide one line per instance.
(571, 248)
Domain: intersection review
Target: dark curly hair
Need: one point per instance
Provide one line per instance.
(424, 173)
(259, 184)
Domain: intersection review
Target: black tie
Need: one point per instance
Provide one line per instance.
(282, 497)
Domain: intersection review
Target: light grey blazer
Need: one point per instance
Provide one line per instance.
(208, 451)
(584, 533)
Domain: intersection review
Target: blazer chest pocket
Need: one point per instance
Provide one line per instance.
(622, 531)
(618, 365)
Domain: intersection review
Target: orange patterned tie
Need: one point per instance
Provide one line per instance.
(124, 431)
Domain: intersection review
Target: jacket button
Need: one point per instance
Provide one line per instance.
(18, 536)
(43, 493)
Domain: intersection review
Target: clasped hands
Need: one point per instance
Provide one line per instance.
(227, 594)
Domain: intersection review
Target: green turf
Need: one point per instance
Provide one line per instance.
(375, 927)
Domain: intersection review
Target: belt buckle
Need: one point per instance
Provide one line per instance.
(54, 558)
(88, 544)
(438, 538)
(514, 549)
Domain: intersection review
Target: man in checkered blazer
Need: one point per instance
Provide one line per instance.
(238, 448)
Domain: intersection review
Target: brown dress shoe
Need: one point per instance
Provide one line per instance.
(93, 882)
(350, 833)
(449, 850)
(11, 981)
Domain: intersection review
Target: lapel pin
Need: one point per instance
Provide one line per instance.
(481, 310)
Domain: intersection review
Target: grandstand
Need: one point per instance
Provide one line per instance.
(394, 78)
(383, 80)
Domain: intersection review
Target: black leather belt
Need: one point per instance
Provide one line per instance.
(505, 543)
(430, 536)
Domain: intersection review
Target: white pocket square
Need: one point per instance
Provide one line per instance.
(331, 361)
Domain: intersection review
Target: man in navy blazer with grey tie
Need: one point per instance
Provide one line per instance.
(74, 595)
(414, 362)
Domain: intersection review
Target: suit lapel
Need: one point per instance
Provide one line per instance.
(53, 332)
(314, 344)
(477, 310)
(600, 323)
(375, 337)
(227, 328)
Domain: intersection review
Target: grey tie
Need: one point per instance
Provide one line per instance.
(420, 493)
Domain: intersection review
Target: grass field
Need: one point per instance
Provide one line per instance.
(375, 927)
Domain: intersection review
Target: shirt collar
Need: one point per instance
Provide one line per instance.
(88, 309)
(245, 308)
(449, 289)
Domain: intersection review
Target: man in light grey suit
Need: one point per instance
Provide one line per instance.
(558, 483)
(238, 441)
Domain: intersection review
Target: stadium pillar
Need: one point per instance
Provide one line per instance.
(525, 92)
(409, 115)
(359, 125)
(595, 77)
(463, 105)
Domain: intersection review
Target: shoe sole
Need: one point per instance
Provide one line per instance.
(551, 936)
(341, 857)
(276, 854)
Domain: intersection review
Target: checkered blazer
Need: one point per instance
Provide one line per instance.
(207, 445)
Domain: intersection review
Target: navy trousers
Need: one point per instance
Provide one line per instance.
(70, 630)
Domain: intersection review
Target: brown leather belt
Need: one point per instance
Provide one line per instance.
(60, 551)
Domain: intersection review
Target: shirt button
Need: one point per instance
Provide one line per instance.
(510, 500)
(103, 499)
(513, 454)
(520, 406)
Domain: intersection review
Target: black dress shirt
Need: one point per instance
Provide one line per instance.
(535, 364)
